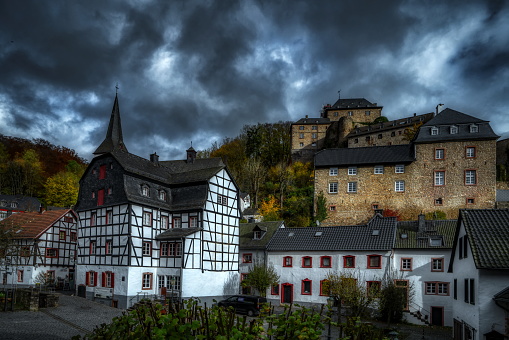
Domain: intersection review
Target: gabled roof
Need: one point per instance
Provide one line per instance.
(352, 103)
(408, 235)
(23, 203)
(246, 240)
(391, 125)
(390, 154)
(34, 224)
(447, 118)
(488, 237)
(337, 238)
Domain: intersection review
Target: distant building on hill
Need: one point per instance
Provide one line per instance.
(11, 204)
(449, 165)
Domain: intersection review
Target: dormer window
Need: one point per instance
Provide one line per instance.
(257, 234)
(454, 130)
(162, 195)
(474, 128)
(14, 204)
(434, 131)
(145, 190)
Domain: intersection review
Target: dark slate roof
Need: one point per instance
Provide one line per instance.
(23, 203)
(391, 125)
(390, 154)
(502, 195)
(34, 224)
(488, 236)
(312, 121)
(170, 172)
(337, 238)
(176, 233)
(448, 117)
(416, 239)
(250, 212)
(352, 103)
(246, 240)
(114, 140)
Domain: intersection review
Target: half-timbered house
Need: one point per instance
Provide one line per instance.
(39, 247)
(150, 228)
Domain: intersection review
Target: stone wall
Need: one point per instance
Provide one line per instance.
(304, 143)
(377, 191)
(358, 114)
(378, 138)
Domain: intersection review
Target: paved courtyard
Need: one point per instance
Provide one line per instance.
(73, 316)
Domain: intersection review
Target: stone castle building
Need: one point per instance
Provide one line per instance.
(310, 135)
(449, 165)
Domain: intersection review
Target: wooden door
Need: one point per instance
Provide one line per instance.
(437, 316)
(287, 296)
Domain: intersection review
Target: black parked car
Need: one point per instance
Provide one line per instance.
(248, 304)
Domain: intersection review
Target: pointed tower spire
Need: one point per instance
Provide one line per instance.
(113, 140)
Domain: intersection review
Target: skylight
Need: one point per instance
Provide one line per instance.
(375, 232)
(318, 233)
(290, 234)
(435, 242)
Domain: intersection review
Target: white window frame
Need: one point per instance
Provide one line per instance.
(470, 152)
(147, 281)
(399, 186)
(146, 248)
(474, 128)
(439, 153)
(301, 135)
(145, 190)
(165, 222)
(434, 131)
(333, 171)
(439, 178)
(352, 170)
(147, 218)
(470, 177)
(378, 170)
(399, 169)
(193, 222)
(352, 187)
(453, 130)
(333, 187)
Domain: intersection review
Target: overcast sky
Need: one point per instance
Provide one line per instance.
(200, 70)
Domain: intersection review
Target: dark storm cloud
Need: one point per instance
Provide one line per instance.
(200, 70)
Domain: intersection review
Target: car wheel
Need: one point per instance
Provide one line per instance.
(250, 312)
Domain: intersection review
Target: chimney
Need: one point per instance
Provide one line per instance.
(439, 108)
(154, 158)
(306, 116)
(415, 114)
(191, 155)
(421, 223)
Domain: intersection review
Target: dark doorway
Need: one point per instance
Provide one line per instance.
(287, 293)
(437, 316)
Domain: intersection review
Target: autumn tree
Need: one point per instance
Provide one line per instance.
(269, 209)
(350, 289)
(261, 277)
(410, 133)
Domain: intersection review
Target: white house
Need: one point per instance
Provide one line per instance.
(39, 243)
(253, 240)
(150, 228)
(480, 268)
(303, 257)
(421, 255)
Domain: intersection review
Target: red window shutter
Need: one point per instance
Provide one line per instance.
(103, 283)
(112, 280)
(102, 172)
(100, 197)
(95, 279)
(87, 278)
